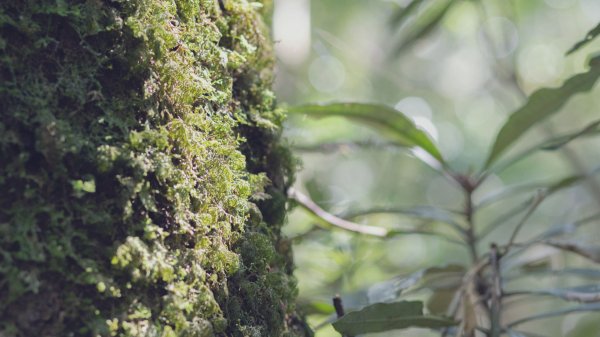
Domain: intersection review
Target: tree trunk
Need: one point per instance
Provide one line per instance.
(141, 179)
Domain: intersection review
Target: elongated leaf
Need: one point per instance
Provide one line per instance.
(586, 273)
(447, 277)
(541, 105)
(583, 294)
(419, 212)
(512, 212)
(588, 38)
(389, 316)
(555, 313)
(400, 15)
(592, 129)
(396, 126)
(424, 24)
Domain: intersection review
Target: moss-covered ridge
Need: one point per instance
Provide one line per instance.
(140, 176)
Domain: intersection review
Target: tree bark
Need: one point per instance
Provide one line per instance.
(141, 176)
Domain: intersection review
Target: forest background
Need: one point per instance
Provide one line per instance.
(458, 76)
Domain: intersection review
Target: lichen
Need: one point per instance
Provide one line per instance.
(141, 172)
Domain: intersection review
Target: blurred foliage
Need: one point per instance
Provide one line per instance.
(457, 70)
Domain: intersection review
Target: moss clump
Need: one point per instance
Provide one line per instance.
(142, 183)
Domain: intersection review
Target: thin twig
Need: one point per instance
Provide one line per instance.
(539, 197)
(471, 236)
(339, 309)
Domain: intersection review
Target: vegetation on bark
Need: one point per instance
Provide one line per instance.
(141, 172)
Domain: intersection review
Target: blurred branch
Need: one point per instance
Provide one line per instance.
(345, 146)
(419, 212)
(496, 300)
(311, 206)
(304, 201)
(537, 200)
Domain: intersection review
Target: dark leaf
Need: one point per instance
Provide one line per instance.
(389, 316)
(403, 13)
(541, 105)
(436, 278)
(588, 38)
(419, 212)
(424, 24)
(592, 129)
(391, 122)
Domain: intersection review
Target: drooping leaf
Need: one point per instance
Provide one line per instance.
(446, 277)
(541, 105)
(401, 14)
(419, 212)
(555, 143)
(423, 24)
(555, 313)
(389, 316)
(579, 272)
(587, 39)
(583, 294)
(547, 191)
(391, 122)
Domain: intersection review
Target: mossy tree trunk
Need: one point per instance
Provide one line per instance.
(141, 179)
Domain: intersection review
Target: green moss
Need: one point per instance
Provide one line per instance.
(143, 182)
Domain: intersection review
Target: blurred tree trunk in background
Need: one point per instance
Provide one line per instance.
(141, 179)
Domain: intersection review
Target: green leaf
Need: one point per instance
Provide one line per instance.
(424, 24)
(584, 294)
(552, 144)
(555, 187)
(446, 277)
(555, 313)
(391, 122)
(541, 105)
(403, 13)
(588, 38)
(430, 213)
(389, 316)
(513, 333)
(580, 272)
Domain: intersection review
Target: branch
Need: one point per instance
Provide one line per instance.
(496, 307)
(304, 201)
(537, 200)
(311, 206)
